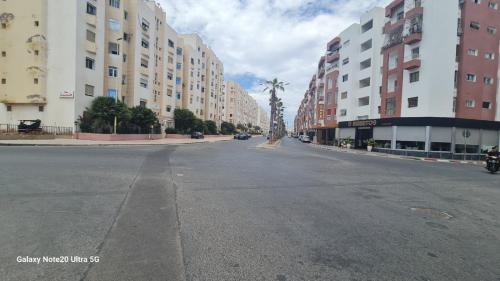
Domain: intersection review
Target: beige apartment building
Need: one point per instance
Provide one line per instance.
(58, 55)
(241, 108)
(203, 75)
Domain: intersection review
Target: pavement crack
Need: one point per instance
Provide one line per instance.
(115, 219)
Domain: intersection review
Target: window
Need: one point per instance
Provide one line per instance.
(488, 81)
(470, 77)
(415, 53)
(144, 62)
(345, 61)
(477, 2)
(125, 15)
(343, 112)
(390, 106)
(170, 76)
(145, 25)
(41, 108)
(179, 51)
(142, 103)
(112, 93)
(124, 57)
(143, 82)
(178, 95)
(343, 95)
(114, 3)
(489, 56)
(364, 83)
(491, 30)
(178, 80)
(113, 48)
(475, 25)
(367, 26)
(364, 101)
(366, 45)
(414, 76)
(90, 36)
(89, 63)
(4, 81)
(145, 43)
(37, 23)
(169, 108)
(470, 103)
(9, 107)
(114, 25)
(472, 52)
(412, 102)
(179, 66)
(91, 9)
(345, 78)
(35, 81)
(112, 71)
(169, 92)
(89, 90)
(486, 105)
(493, 5)
(170, 43)
(36, 52)
(4, 54)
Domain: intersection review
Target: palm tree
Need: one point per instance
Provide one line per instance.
(273, 86)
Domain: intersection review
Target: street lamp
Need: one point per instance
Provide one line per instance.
(116, 93)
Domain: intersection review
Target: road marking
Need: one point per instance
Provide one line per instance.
(180, 175)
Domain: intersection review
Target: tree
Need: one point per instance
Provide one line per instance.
(273, 86)
(184, 120)
(211, 127)
(198, 126)
(143, 118)
(99, 118)
(227, 128)
(241, 127)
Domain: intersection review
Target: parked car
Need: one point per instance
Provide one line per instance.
(241, 137)
(305, 139)
(197, 135)
(300, 137)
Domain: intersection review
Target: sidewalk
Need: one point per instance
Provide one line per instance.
(385, 155)
(75, 142)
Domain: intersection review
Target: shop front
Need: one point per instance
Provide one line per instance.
(449, 138)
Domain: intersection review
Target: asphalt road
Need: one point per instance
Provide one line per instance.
(232, 211)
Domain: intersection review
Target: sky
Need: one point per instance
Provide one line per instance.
(260, 40)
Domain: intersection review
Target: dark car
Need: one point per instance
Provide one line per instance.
(197, 135)
(241, 137)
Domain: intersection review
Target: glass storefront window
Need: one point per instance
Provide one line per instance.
(441, 146)
(471, 149)
(410, 145)
(383, 144)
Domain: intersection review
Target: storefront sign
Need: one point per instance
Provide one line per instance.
(361, 123)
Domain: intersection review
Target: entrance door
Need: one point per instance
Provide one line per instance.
(363, 134)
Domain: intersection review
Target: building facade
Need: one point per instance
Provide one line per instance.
(57, 56)
(241, 108)
(418, 76)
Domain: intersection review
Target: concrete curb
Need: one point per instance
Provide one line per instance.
(266, 145)
(103, 144)
(402, 157)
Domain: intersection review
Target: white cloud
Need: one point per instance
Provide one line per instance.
(268, 38)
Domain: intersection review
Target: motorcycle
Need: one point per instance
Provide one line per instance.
(492, 164)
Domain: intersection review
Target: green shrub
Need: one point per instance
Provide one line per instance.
(170, 131)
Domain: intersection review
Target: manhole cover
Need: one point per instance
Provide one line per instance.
(430, 212)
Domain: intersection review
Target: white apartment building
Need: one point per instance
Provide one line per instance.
(418, 76)
(240, 107)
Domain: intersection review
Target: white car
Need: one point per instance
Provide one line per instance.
(305, 139)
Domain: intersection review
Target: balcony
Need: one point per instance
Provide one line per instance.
(332, 57)
(389, 26)
(413, 63)
(91, 19)
(392, 6)
(413, 38)
(321, 72)
(417, 10)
